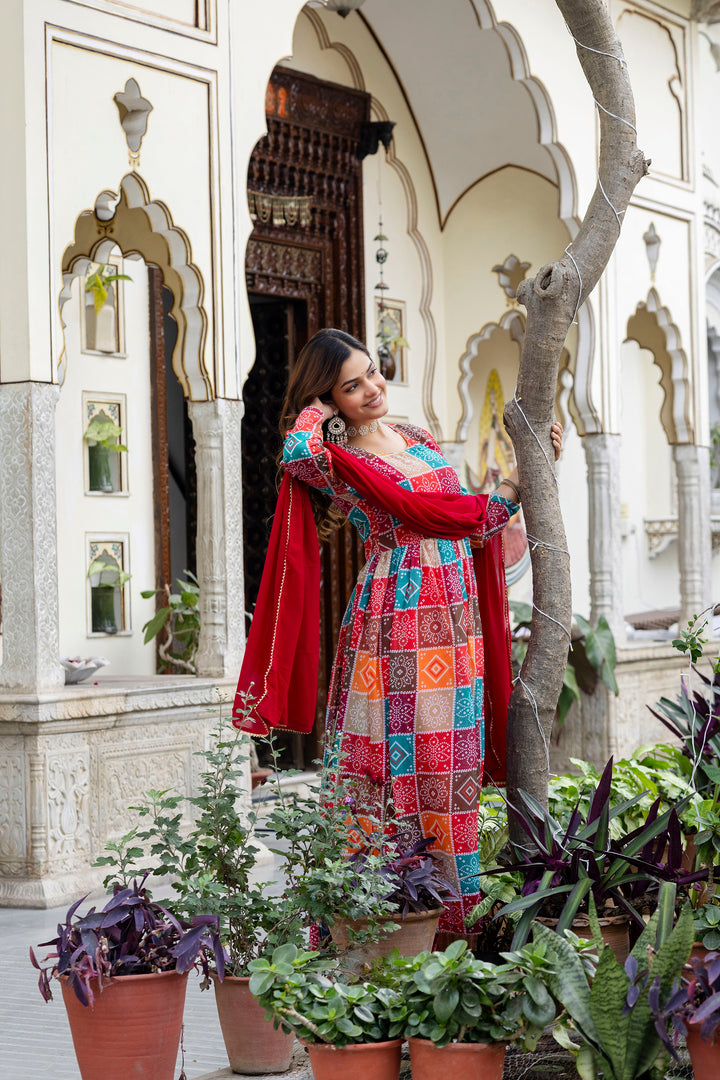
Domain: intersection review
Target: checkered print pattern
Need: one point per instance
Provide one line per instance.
(405, 705)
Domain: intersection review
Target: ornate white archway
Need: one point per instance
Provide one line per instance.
(652, 328)
(139, 225)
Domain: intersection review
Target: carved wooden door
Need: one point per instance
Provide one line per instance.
(304, 270)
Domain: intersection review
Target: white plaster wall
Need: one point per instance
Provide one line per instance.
(89, 151)
(127, 513)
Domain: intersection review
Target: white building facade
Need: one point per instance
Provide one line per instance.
(132, 142)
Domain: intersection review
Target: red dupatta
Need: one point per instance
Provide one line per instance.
(280, 665)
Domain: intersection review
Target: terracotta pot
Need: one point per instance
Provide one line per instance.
(415, 934)
(461, 1061)
(253, 1045)
(705, 1056)
(615, 931)
(133, 1028)
(360, 1061)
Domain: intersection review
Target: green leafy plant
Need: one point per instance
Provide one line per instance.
(293, 988)
(591, 657)
(567, 866)
(109, 575)
(104, 433)
(97, 282)
(211, 863)
(179, 621)
(637, 782)
(611, 1013)
(706, 923)
(452, 997)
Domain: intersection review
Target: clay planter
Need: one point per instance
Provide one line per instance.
(615, 931)
(133, 1028)
(360, 1061)
(461, 1061)
(416, 933)
(253, 1045)
(705, 1057)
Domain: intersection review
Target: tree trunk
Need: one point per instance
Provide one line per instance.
(552, 300)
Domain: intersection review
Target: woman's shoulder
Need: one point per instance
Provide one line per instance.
(416, 434)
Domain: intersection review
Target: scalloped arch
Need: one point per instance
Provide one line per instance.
(652, 328)
(143, 226)
(514, 322)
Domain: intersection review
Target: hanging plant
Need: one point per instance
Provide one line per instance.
(98, 281)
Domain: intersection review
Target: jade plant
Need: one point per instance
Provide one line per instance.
(295, 988)
(451, 996)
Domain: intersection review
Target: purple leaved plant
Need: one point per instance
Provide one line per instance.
(695, 999)
(131, 935)
(565, 865)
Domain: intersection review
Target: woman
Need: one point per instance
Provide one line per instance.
(405, 703)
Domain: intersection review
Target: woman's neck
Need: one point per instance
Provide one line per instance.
(384, 440)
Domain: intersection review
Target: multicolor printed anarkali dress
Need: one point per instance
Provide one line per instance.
(405, 703)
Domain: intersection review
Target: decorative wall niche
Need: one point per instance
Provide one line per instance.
(108, 595)
(105, 469)
(390, 323)
(103, 331)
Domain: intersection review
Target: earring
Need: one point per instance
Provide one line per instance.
(336, 430)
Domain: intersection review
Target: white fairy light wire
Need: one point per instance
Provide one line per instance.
(533, 702)
(535, 541)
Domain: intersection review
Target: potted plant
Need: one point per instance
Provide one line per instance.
(350, 1030)
(211, 866)
(463, 1012)
(106, 581)
(566, 865)
(693, 1011)
(101, 317)
(706, 923)
(124, 970)
(610, 1012)
(346, 871)
(411, 883)
(179, 619)
(103, 438)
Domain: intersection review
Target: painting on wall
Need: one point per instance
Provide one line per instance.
(496, 459)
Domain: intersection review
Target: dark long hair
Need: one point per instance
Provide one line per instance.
(316, 371)
(314, 374)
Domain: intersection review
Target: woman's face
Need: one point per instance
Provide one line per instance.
(359, 392)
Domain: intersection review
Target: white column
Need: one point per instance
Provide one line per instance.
(602, 453)
(694, 537)
(28, 537)
(218, 458)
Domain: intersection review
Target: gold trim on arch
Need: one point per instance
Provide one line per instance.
(142, 226)
(652, 328)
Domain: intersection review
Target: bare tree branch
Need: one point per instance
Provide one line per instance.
(552, 299)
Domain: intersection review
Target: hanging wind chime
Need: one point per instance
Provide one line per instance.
(384, 349)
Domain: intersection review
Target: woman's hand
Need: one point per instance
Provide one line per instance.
(556, 434)
(326, 409)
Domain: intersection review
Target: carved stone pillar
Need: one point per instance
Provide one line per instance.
(602, 453)
(218, 458)
(694, 539)
(28, 537)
